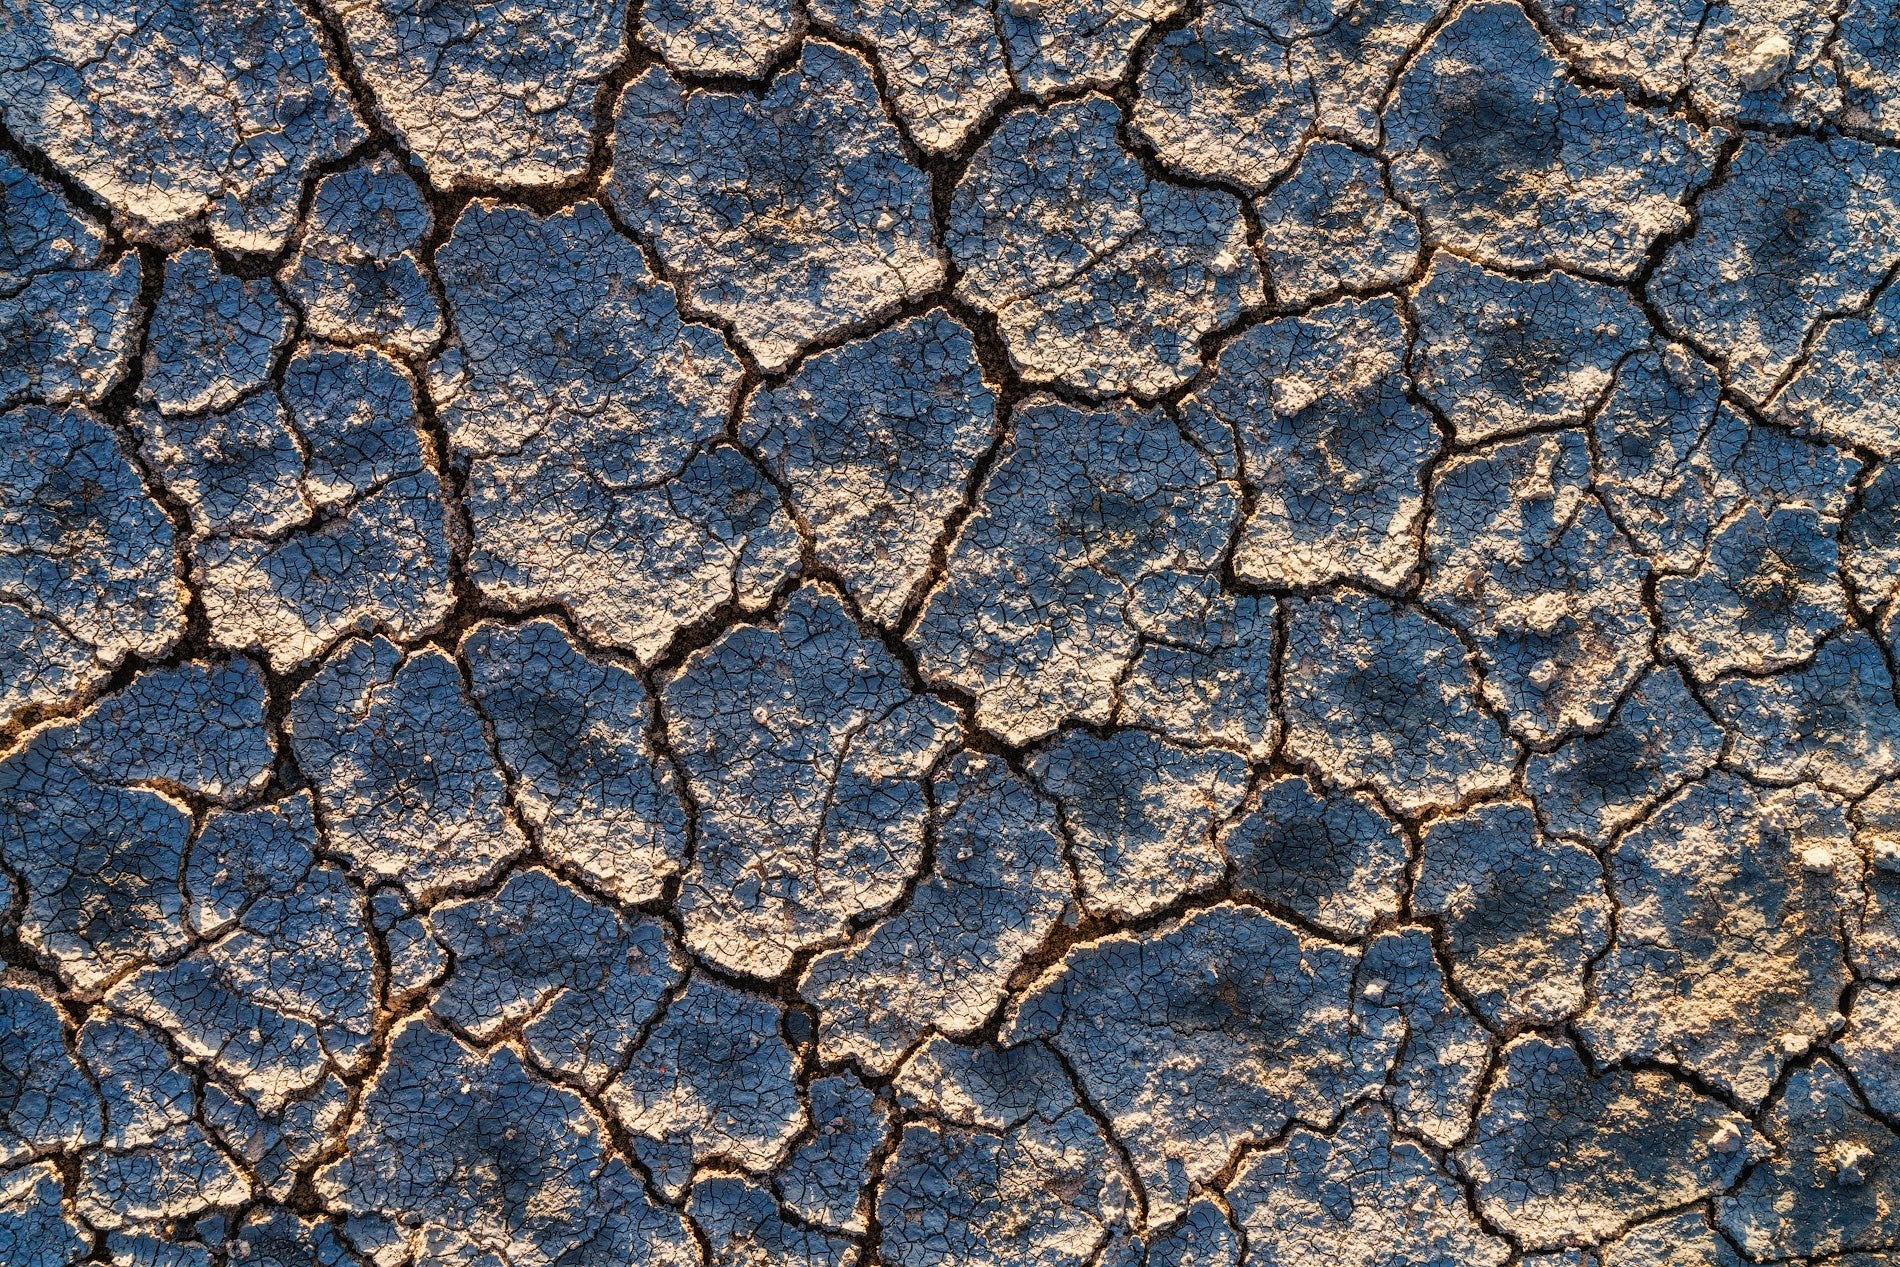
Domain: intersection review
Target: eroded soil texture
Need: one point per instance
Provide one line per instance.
(949, 633)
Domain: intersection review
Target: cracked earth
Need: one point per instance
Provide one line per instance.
(909, 633)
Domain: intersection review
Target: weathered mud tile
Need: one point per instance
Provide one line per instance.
(1381, 694)
(807, 754)
(1563, 1155)
(1100, 278)
(1093, 527)
(1144, 815)
(794, 216)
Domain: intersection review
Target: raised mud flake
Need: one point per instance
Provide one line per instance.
(1683, 1240)
(583, 405)
(720, 37)
(634, 1229)
(277, 1148)
(155, 1163)
(1833, 722)
(1507, 158)
(384, 565)
(579, 980)
(573, 735)
(1848, 388)
(560, 327)
(1356, 1198)
(1054, 45)
(1203, 1238)
(634, 565)
(744, 1227)
(943, 60)
(1231, 96)
(1332, 227)
(794, 216)
(401, 768)
(1800, 230)
(1658, 740)
(876, 440)
(66, 313)
(1832, 1183)
(468, 1152)
(1641, 50)
(154, 1248)
(1871, 1048)
(487, 93)
(714, 1079)
(1332, 445)
(213, 338)
(357, 275)
(824, 1178)
(1143, 815)
(986, 1086)
(1523, 916)
(1561, 1155)
(1336, 859)
(1675, 463)
(286, 998)
(99, 855)
(370, 546)
(1218, 99)
(945, 961)
(42, 664)
(1766, 595)
(1093, 527)
(272, 1236)
(1870, 540)
(1381, 694)
(1208, 679)
(236, 471)
(1527, 561)
(87, 572)
(1003, 1167)
(197, 727)
(807, 754)
(1208, 1034)
(1446, 1051)
(46, 1103)
(1099, 277)
(244, 853)
(179, 114)
(209, 423)
(1769, 62)
(1499, 354)
(354, 412)
(417, 961)
(1874, 930)
(1865, 48)
(35, 1230)
(1728, 957)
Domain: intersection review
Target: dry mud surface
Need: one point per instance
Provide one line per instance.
(1055, 633)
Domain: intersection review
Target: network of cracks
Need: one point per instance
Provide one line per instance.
(1089, 633)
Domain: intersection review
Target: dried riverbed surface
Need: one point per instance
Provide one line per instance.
(917, 633)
